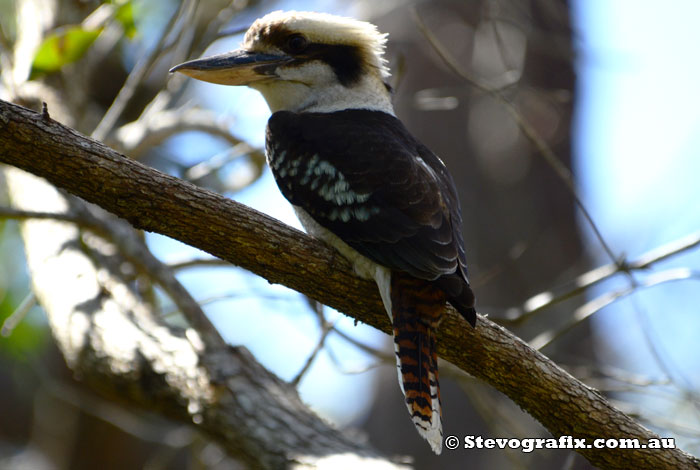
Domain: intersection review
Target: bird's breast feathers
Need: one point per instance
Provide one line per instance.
(362, 176)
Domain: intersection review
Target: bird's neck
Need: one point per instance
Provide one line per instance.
(370, 93)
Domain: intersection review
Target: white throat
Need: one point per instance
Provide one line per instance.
(296, 96)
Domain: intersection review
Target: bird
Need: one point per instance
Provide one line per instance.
(358, 179)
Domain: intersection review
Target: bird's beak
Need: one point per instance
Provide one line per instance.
(239, 67)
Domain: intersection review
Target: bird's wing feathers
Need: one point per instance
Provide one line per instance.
(361, 175)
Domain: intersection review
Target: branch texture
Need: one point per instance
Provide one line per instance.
(160, 203)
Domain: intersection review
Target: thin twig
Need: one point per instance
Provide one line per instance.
(503, 49)
(342, 369)
(654, 348)
(589, 279)
(201, 262)
(18, 315)
(611, 373)
(138, 136)
(326, 328)
(597, 304)
(216, 162)
(177, 81)
(363, 347)
(134, 79)
(18, 214)
(249, 294)
(666, 251)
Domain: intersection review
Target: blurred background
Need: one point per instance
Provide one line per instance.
(533, 105)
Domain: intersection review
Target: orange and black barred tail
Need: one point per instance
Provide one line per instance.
(416, 307)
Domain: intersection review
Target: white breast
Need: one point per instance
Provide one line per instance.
(363, 266)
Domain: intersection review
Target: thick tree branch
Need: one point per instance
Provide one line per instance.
(156, 202)
(117, 344)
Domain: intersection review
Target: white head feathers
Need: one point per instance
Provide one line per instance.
(321, 28)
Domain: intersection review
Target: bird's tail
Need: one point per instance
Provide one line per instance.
(416, 309)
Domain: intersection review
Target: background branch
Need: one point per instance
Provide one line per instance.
(527, 129)
(590, 278)
(156, 202)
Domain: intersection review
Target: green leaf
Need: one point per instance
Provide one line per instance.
(125, 15)
(8, 20)
(62, 47)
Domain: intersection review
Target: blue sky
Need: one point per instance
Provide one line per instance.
(637, 154)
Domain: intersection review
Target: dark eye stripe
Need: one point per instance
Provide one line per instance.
(346, 61)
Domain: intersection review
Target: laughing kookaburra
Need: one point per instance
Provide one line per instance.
(358, 179)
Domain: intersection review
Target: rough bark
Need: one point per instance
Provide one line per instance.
(116, 344)
(157, 202)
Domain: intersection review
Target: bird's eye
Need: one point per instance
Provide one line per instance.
(296, 43)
